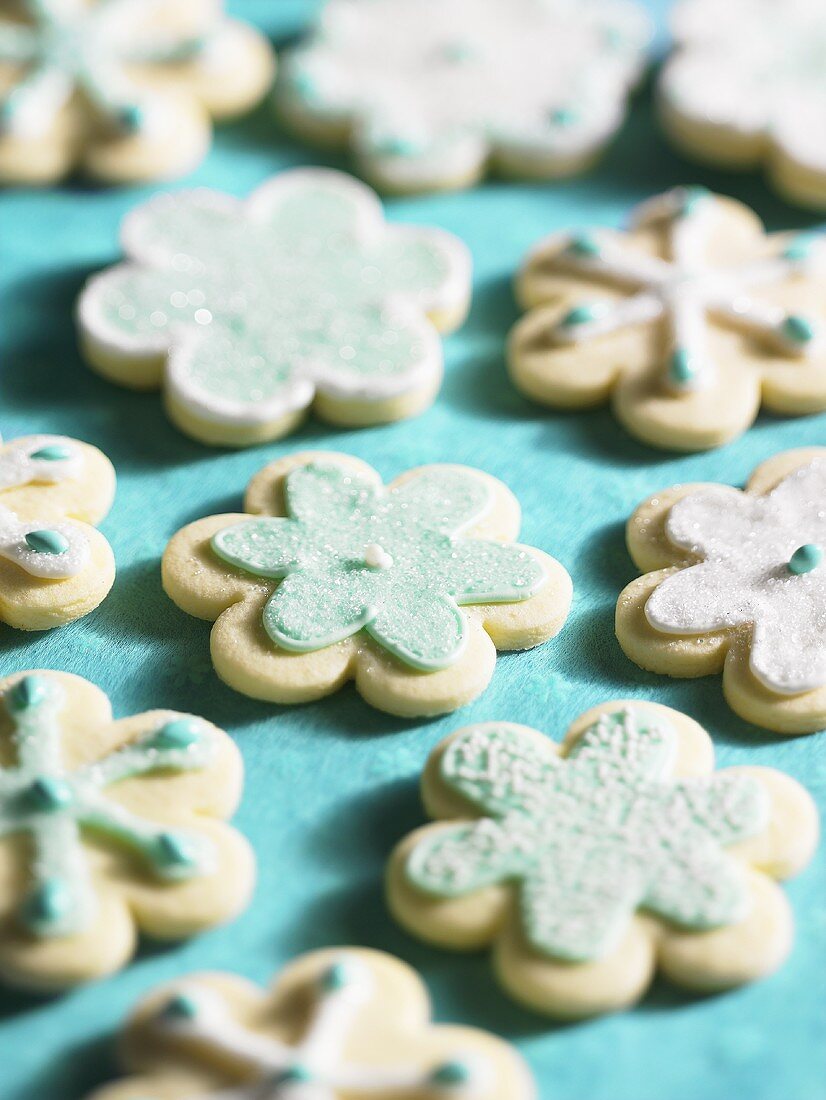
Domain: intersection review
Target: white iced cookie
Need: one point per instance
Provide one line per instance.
(339, 1024)
(590, 864)
(248, 313)
(735, 582)
(121, 90)
(686, 323)
(747, 86)
(409, 590)
(430, 94)
(54, 566)
(109, 827)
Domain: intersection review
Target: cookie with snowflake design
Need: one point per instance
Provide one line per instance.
(687, 323)
(109, 827)
(339, 1024)
(54, 566)
(121, 90)
(746, 86)
(329, 576)
(588, 865)
(430, 94)
(248, 313)
(735, 583)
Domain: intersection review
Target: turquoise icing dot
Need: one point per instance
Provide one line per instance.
(180, 733)
(805, 559)
(129, 118)
(54, 452)
(395, 145)
(584, 244)
(457, 51)
(28, 692)
(48, 904)
(800, 247)
(581, 315)
(304, 84)
(450, 1073)
(681, 367)
(181, 1007)
(171, 851)
(798, 329)
(563, 116)
(692, 198)
(335, 978)
(294, 1074)
(49, 794)
(47, 542)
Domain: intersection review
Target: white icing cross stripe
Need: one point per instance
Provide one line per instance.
(40, 458)
(316, 1068)
(683, 290)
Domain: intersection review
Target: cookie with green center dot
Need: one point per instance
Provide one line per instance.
(145, 813)
(71, 101)
(429, 94)
(734, 583)
(368, 1037)
(683, 323)
(54, 566)
(409, 588)
(578, 862)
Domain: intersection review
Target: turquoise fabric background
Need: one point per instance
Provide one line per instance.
(332, 787)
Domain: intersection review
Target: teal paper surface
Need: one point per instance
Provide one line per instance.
(331, 787)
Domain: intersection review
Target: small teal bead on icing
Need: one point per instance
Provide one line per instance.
(457, 51)
(398, 146)
(180, 733)
(48, 904)
(580, 315)
(450, 1074)
(335, 978)
(305, 85)
(172, 852)
(691, 199)
(130, 118)
(563, 116)
(798, 329)
(805, 559)
(585, 244)
(47, 542)
(294, 1075)
(53, 452)
(180, 1007)
(49, 794)
(800, 247)
(26, 693)
(681, 367)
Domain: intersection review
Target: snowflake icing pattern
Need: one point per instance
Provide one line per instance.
(762, 567)
(589, 838)
(303, 288)
(54, 807)
(757, 69)
(433, 89)
(316, 1064)
(354, 556)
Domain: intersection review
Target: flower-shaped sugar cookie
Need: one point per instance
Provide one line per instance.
(687, 323)
(409, 590)
(735, 582)
(747, 84)
(588, 865)
(107, 827)
(431, 93)
(54, 566)
(339, 1024)
(248, 313)
(120, 89)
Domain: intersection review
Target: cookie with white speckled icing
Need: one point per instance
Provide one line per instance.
(589, 865)
(735, 582)
(109, 827)
(746, 85)
(343, 1024)
(409, 590)
(686, 324)
(249, 313)
(54, 566)
(121, 90)
(430, 94)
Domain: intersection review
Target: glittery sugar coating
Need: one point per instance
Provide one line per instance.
(55, 807)
(303, 287)
(589, 838)
(747, 543)
(408, 598)
(434, 89)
